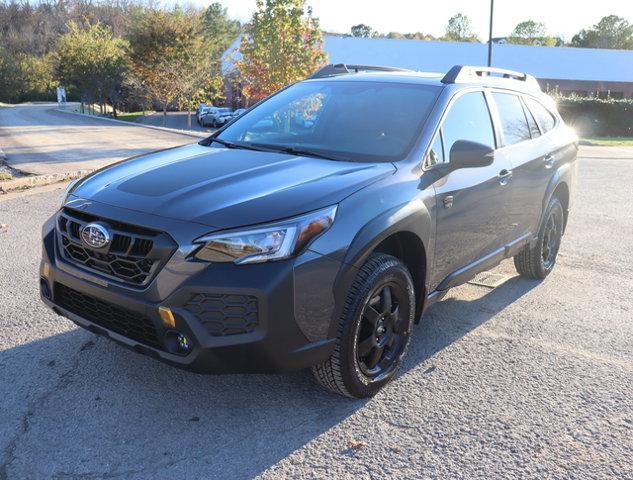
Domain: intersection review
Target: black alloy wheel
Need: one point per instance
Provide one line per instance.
(538, 260)
(381, 332)
(374, 329)
(551, 239)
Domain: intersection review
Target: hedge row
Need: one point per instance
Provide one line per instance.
(596, 117)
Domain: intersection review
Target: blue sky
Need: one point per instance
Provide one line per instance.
(562, 17)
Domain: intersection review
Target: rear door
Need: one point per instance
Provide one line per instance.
(525, 156)
(471, 203)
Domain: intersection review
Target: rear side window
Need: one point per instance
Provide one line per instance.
(542, 115)
(468, 119)
(513, 122)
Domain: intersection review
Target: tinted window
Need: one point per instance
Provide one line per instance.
(544, 118)
(513, 122)
(468, 119)
(436, 154)
(532, 123)
(347, 120)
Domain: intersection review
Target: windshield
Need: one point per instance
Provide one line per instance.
(357, 121)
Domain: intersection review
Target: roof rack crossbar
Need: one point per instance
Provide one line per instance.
(467, 73)
(342, 69)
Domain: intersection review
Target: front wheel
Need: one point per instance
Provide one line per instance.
(537, 262)
(374, 330)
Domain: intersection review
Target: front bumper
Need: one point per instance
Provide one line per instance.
(292, 299)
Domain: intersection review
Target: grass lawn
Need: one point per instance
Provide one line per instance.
(611, 141)
(132, 116)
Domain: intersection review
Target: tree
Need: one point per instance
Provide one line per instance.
(92, 62)
(283, 44)
(37, 77)
(169, 55)
(9, 77)
(362, 30)
(459, 29)
(610, 32)
(219, 30)
(531, 32)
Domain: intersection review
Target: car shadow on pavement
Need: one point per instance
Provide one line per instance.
(106, 411)
(449, 320)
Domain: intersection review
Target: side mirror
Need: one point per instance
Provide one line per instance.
(467, 154)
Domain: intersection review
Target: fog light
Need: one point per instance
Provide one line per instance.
(177, 343)
(183, 343)
(45, 289)
(46, 270)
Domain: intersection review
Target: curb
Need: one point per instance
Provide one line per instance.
(134, 124)
(22, 183)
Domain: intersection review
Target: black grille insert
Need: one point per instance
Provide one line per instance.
(225, 314)
(134, 255)
(106, 315)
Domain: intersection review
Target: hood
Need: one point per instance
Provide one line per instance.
(225, 188)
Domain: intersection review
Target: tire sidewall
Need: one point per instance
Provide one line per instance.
(356, 382)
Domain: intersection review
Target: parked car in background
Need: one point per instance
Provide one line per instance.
(205, 111)
(239, 112)
(311, 233)
(216, 117)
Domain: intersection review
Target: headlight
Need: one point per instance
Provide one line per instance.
(262, 244)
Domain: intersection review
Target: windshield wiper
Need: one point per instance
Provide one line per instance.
(302, 152)
(228, 144)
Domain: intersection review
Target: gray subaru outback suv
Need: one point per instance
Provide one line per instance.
(310, 232)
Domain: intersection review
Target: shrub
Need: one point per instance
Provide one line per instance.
(598, 117)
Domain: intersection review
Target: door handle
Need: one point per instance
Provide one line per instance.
(504, 176)
(549, 161)
(448, 201)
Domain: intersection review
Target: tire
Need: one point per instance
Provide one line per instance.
(371, 317)
(537, 262)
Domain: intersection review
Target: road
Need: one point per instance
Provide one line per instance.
(177, 120)
(528, 380)
(39, 139)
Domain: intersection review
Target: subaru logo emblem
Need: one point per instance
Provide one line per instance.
(95, 235)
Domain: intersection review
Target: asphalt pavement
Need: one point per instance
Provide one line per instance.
(38, 139)
(528, 380)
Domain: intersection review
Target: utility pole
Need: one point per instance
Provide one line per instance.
(492, 8)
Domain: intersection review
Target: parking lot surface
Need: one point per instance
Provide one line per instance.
(38, 139)
(527, 380)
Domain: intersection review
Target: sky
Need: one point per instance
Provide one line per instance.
(561, 17)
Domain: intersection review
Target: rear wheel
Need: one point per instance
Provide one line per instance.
(538, 261)
(374, 330)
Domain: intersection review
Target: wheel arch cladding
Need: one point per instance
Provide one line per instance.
(562, 193)
(559, 186)
(403, 231)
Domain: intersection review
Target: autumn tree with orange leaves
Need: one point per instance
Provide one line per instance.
(282, 44)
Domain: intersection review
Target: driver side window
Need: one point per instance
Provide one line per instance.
(468, 119)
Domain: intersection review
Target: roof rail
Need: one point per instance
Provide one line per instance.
(466, 73)
(342, 69)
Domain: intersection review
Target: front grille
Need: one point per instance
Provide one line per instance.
(133, 256)
(224, 314)
(114, 318)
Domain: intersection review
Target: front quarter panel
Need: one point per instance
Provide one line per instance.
(399, 203)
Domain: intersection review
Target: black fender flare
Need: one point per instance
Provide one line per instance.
(563, 174)
(412, 217)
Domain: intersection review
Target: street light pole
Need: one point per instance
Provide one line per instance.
(492, 8)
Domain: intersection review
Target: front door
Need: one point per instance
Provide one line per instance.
(471, 203)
